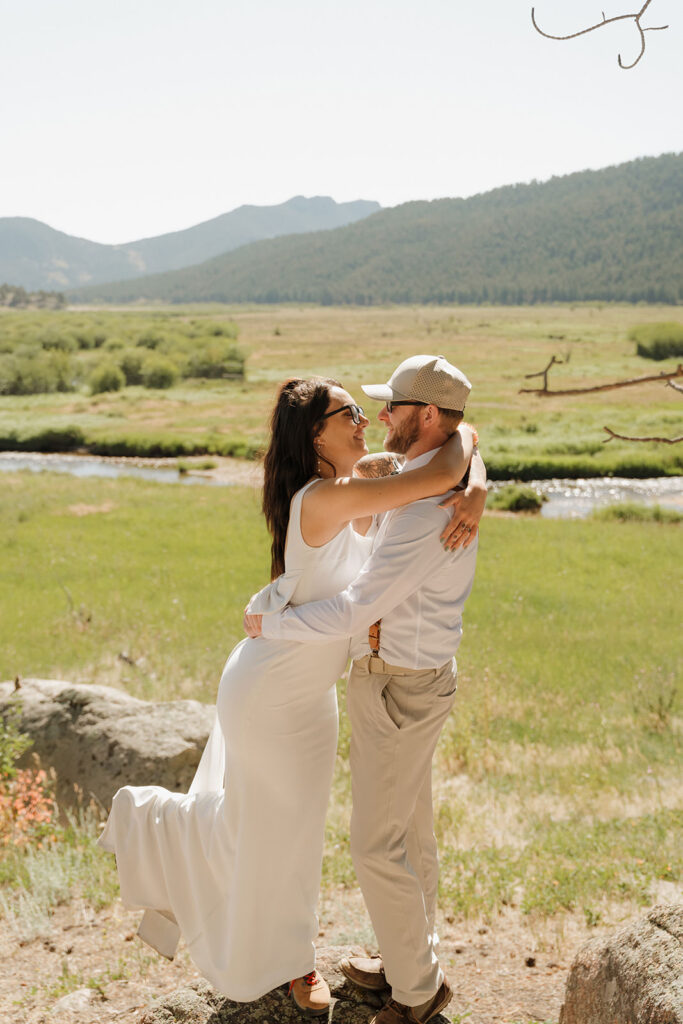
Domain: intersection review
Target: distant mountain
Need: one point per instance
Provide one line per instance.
(613, 234)
(36, 256)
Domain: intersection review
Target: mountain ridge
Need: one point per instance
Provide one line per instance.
(609, 234)
(35, 255)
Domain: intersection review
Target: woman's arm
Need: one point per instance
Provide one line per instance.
(332, 503)
(468, 507)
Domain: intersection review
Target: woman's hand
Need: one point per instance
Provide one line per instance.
(252, 624)
(468, 508)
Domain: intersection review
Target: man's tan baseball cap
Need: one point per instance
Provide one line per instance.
(429, 379)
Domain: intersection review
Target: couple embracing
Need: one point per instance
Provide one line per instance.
(367, 548)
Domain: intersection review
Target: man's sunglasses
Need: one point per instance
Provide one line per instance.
(355, 410)
(392, 405)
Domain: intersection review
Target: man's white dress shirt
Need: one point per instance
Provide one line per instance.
(409, 581)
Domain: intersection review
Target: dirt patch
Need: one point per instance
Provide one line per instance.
(91, 510)
(511, 970)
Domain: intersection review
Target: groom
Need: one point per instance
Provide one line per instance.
(404, 612)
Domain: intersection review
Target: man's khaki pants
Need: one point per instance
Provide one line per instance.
(396, 717)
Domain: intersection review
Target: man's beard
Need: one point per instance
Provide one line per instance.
(402, 437)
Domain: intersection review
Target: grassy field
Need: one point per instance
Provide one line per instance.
(557, 781)
(522, 435)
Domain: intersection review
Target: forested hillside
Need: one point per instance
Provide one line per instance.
(34, 255)
(613, 234)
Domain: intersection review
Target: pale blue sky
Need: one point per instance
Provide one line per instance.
(128, 119)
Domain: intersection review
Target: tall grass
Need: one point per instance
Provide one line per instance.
(557, 782)
(522, 436)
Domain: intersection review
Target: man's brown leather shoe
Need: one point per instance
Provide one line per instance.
(397, 1013)
(365, 971)
(311, 994)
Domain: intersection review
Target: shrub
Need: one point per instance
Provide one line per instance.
(106, 377)
(150, 339)
(27, 807)
(515, 498)
(36, 373)
(131, 363)
(61, 342)
(658, 341)
(159, 372)
(114, 344)
(13, 743)
(214, 359)
(223, 330)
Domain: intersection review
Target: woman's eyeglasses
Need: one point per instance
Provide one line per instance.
(355, 410)
(392, 405)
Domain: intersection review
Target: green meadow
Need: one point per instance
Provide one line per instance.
(524, 436)
(557, 778)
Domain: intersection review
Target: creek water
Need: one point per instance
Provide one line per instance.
(164, 471)
(567, 499)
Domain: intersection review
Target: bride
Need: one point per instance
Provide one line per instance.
(234, 865)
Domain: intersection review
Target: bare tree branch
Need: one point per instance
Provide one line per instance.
(623, 437)
(664, 377)
(676, 387)
(555, 361)
(609, 21)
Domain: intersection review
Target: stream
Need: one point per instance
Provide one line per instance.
(567, 499)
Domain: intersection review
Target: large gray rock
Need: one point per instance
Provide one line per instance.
(99, 739)
(198, 1003)
(634, 976)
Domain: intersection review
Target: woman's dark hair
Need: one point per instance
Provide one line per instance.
(291, 457)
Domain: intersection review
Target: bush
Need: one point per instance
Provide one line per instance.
(658, 341)
(61, 342)
(114, 344)
(131, 363)
(27, 807)
(36, 373)
(106, 377)
(159, 372)
(214, 359)
(515, 498)
(223, 330)
(150, 339)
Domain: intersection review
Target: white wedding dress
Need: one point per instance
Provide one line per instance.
(234, 865)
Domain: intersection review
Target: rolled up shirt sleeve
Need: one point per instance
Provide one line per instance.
(406, 556)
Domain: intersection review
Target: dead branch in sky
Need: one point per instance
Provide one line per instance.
(609, 21)
(665, 377)
(623, 437)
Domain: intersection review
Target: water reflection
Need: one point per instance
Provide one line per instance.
(576, 499)
(91, 465)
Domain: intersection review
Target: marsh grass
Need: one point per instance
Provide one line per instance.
(522, 436)
(557, 777)
(636, 512)
(516, 498)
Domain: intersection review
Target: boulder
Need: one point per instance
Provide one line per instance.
(198, 1003)
(75, 1002)
(100, 739)
(634, 976)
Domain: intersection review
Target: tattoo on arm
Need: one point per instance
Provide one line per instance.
(378, 464)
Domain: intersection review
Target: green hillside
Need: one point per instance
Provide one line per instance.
(613, 234)
(34, 255)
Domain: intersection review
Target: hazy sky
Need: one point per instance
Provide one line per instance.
(126, 119)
